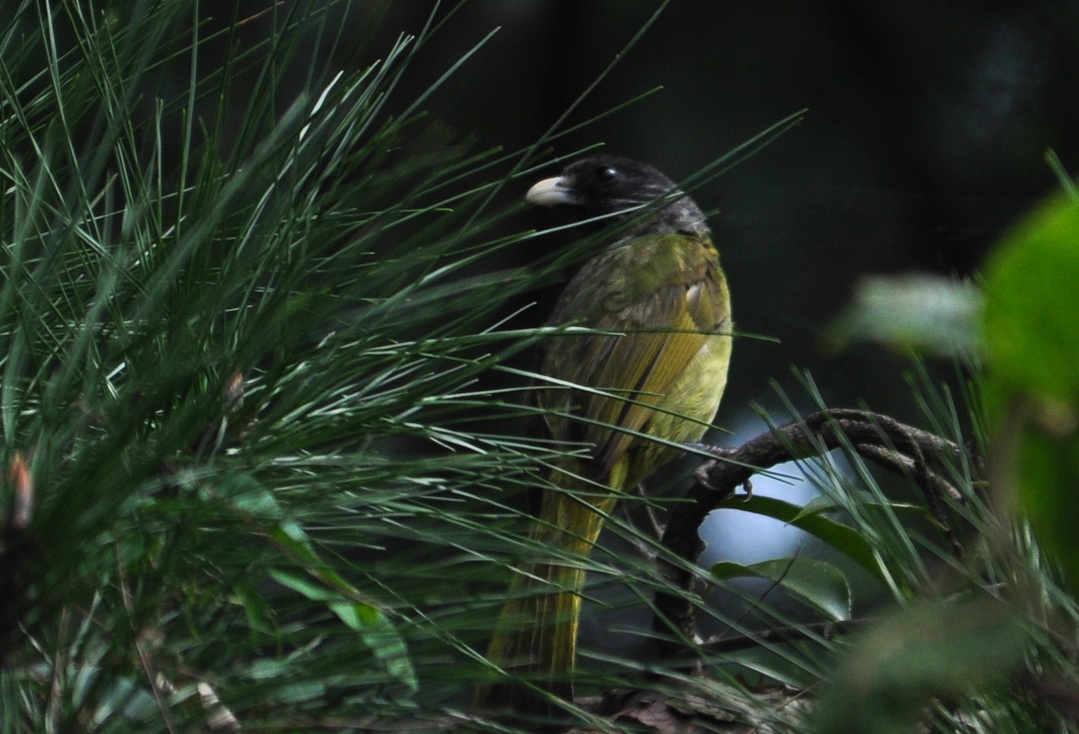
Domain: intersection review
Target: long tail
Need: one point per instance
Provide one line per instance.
(535, 641)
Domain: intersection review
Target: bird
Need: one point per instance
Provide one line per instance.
(645, 373)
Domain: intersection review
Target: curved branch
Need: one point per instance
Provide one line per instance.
(878, 438)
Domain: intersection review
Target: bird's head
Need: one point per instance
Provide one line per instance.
(605, 185)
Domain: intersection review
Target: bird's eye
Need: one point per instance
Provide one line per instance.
(606, 174)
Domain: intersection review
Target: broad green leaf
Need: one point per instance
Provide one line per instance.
(816, 582)
(374, 628)
(1031, 302)
(842, 537)
(304, 586)
(379, 634)
(1032, 381)
(258, 612)
(822, 503)
(292, 538)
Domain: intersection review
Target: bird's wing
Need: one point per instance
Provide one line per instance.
(665, 296)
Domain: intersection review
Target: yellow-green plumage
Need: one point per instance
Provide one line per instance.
(661, 373)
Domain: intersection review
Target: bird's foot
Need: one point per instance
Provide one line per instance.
(703, 472)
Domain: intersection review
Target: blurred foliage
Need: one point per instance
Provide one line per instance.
(926, 314)
(1032, 379)
(934, 649)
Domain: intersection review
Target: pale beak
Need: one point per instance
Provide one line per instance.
(551, 192)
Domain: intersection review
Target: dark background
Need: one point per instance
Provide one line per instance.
(924, 137)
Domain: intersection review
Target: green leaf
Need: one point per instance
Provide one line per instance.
(381, 637)
(374, 628)
(823, 503)
(1031, 300)
(1032, 381)
(816, 582)
(258, 612)
(303, 586)
(842, 537)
